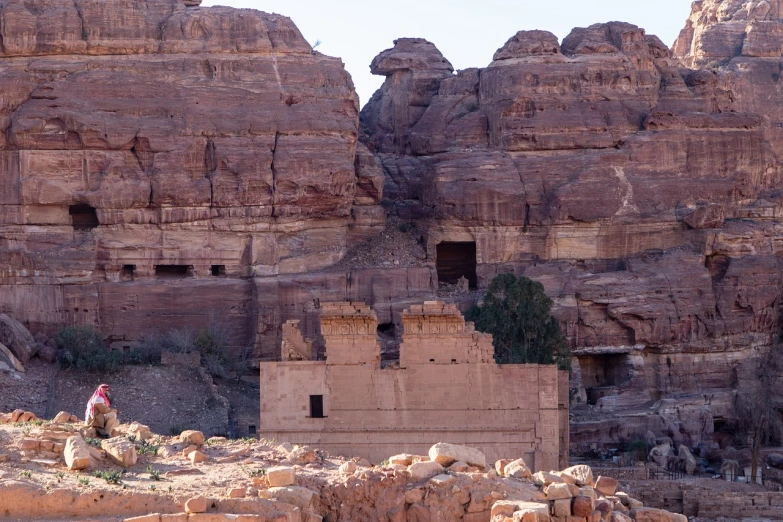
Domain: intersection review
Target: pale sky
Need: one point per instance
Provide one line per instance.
(467, 32)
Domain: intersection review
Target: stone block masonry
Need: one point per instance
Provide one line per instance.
(447, 388)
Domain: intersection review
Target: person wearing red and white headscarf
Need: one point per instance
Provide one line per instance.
(99, 413)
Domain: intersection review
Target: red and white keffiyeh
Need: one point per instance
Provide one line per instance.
(98, 397)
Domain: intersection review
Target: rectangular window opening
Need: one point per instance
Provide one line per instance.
(218, 270)
(127, 272)
(317, 406)
(173, 271)
(251, 430)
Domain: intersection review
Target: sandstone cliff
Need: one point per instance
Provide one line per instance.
(642, 193)
(160, 162)
(155, 158)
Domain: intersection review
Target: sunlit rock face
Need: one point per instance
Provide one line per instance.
(640, 186)
(159, 162)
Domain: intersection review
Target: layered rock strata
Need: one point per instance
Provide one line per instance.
(642, 193)
(160, 162)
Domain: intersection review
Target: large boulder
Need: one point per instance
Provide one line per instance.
(8, 360)
(17, 338)
(447, 454)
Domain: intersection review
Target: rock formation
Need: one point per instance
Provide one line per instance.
(144, 143)
(161, 162)
(642, 193)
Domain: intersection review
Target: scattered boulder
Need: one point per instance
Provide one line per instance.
(8, 360)
(121, 451)
(581, 473)
(281, 476)
(17, 339)
(517, 469)
(775, 460)
(606, 485)
(447, 454)
(403, 459)
(77, 453)
(140, 431)
(47, 353)
(459, 467)
(424, 470)
(197, 457)
(347, 468)
(545, 478)
(191, 437)
(62, 418)
(294, 495)
(303, 455)
(196, 505)
(559, 491)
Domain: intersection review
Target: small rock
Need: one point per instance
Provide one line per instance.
(197, 457)
(236, 493)
(196, 505)
(424, 470)
(606, 485)
(193, 437)
(62, 418)
(403, 458)
(281, 476)
(559, 491)
(517, 469)
(442, 480)
(459, 467)
(302, 455)
(348, 468)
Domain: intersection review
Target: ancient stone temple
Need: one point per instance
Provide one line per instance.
(446, 387)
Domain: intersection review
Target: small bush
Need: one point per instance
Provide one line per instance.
(147, 352)
(111, 477)
(176, 429)
(180, 340)
(82, 347)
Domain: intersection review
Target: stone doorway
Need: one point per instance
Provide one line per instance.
(456, 260)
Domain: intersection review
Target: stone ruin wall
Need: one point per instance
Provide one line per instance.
(446, 388)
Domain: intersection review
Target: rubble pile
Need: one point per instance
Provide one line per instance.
(146, 477)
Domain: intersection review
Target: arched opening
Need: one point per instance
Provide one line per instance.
(83, 217)
(456, 260)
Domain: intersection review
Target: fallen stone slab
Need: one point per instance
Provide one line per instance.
(77, 453)
(447, 454)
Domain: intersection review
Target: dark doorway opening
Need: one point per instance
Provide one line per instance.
(83, 217)
(127, 272)
(251, 430)
(173, 271)
(456, 260)
(317, 406)
(218, 270)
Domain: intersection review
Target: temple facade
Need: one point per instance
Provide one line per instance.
(446, 388)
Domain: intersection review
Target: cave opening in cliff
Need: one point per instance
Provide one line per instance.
(218, 270)
(173, 271)
(83, 217)
(456, 260)
(602, 373)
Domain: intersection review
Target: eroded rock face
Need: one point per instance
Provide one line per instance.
(640, 192)
(148, 142)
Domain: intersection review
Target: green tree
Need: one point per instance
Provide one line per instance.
(516, 311)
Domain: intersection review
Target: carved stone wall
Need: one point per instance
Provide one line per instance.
(295, 347)
(436, 332)
(449, 389)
